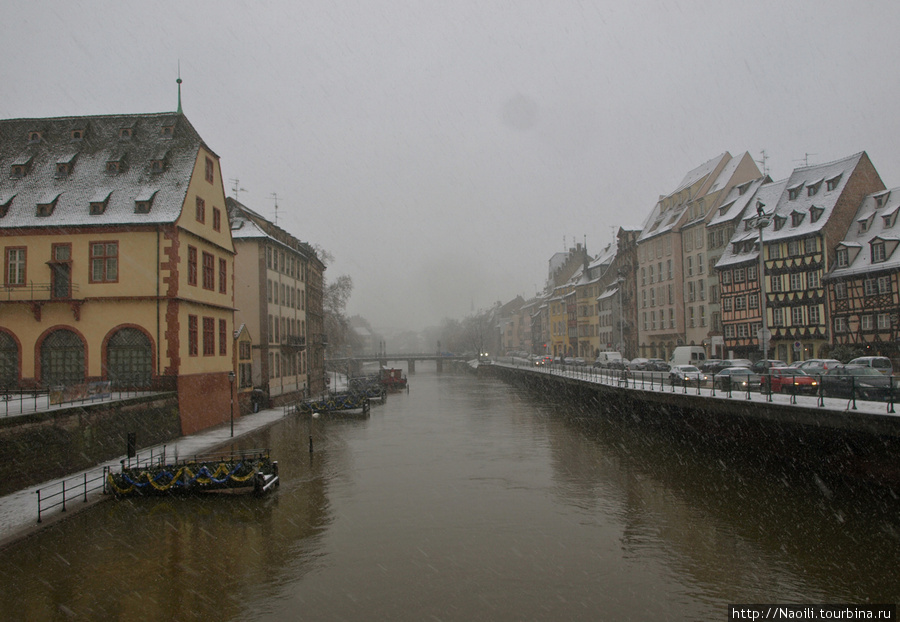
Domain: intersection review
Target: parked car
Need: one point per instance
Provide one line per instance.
(789, 380)
(868, 384)
(817, 367)
(878, 363)
(737, 379)
(636, 363)
(656, 365)
(685, 374)
(578, 360)
(709, 365)
(606, 359)
(726, 363)
(762, 365)
(620, 364)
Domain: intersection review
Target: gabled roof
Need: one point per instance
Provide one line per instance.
(879, 209)
(742, 247)
(100, 160)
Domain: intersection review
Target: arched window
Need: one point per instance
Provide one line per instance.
(9, 362)
(62, 359)
(129, 359)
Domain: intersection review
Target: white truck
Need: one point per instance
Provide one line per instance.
(688, 355)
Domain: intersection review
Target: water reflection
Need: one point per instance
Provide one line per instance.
(467, 499)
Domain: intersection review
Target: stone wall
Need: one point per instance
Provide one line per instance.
(37, 447)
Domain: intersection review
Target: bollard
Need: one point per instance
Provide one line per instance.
(310, 444)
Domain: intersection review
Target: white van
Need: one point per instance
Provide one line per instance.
(605, 358)
(878, 363)
(688, 355)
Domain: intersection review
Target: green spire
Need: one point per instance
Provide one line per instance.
(179, 87)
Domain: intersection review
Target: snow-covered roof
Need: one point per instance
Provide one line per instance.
(798, 206)
(70, 162)
(879, 212)
(735, 202)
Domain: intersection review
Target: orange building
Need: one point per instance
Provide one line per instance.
(117, 259)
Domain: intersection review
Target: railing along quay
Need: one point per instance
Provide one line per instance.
(710, 386)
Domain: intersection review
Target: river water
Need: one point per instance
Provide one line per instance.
(468, 500)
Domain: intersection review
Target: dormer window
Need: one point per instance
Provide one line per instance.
(889, 219)
(20, 167)
(34, 137)
(842, 257)
(779, 222)
(5, 203)
(126, 133)
(797, 218)
(815, 213)
(76, 135)
(99, 202)
(144, 202)
(65, 165)
(47, 205)
(116, 164)
(878, 253)
(881, 199)
(167, 131)
(813, 188)
(743, 188)
(832, 183)
(794, 192)
(157, 166)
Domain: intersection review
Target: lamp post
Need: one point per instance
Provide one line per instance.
(762, 221)
(231, 386)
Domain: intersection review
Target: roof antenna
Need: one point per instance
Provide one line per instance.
(179, 86)
(237, 188)
(275, 196)
(763, 162)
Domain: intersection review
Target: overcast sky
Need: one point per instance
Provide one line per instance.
(444, 151)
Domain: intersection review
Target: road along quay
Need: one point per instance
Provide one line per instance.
(853, 440)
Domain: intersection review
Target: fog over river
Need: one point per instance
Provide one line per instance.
(467, 500)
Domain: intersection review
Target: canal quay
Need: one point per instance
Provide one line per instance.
(476, 496)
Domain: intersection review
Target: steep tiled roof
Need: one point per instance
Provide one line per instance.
(74, 161)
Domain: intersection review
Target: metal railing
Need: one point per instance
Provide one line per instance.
(20, 401)
(71, 489)
(851, 389)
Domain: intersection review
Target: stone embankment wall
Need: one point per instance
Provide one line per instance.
(37, 447)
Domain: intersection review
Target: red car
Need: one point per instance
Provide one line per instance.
(789, 380)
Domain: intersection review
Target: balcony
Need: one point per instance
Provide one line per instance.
(36, 295)
(295, 343)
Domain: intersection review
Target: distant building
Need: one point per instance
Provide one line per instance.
(278, 299)
(117, 259)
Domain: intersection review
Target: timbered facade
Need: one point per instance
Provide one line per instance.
(863, 283)
(805, 216)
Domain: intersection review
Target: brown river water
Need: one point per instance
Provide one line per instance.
(468, 500)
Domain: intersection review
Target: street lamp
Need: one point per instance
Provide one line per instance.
(231, 386)
(762, 221)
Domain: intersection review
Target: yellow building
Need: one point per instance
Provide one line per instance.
(117, 259)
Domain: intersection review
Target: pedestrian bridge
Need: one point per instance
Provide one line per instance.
(355, 362)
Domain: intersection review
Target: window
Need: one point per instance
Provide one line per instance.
(192, 335)
(832, 183)
(884, 321)
(652, 296)
(671, 318)
(812, 312)
(691, 294)
(729, 331)
(217, 219)
(751, 273)
(779, 222)
(867, 322)
(201, 210)
(192, 266)
(652, 279)
(726, 304)
(793, 193)
(209, 336)
(104, 262)
(794, 248)
(643, 276)
(870, 287)
(738, 275)
(223, 269)
(796, 281)
(809, 245)
(797, 218)
(653, 319)
(753, 301)
(209, 271)
(812, 280)
(878, 254)
(742, 331)
(669, 269)
(690, 266)
(223, 338)
(726, 277)
(884, 285)
(843, 258)
(778, 316)
(702, 315)
(776, 282)
(840, 290)
(796, 316)
(701, 289)
(15, 266)
(840, 325)
(210, 170)
(740, 303)
(125, 133)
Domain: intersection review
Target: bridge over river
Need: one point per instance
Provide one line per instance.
(355, 362)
